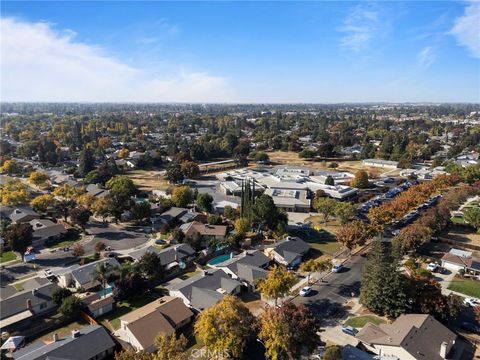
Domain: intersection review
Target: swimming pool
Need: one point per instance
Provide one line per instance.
(219, 259)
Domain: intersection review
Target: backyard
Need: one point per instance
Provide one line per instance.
(465, 286)
(112, 320)
(321, 240)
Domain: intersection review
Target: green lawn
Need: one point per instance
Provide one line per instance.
(361, 321)
(68, 241)
(122, 308)
(465, 286)
(7, 256)
(457, 220)
(321, 240)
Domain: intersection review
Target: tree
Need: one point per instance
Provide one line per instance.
(204, 202)
(174, 173)
(412, 236)
(101, 207)
(38, 178)
(353, 234)
(100, 246)
(123, 153)
(266, 212)
(86, 200)
(86, 162)
(277, 284)
(344, 211)
(360, 180)
(42, 203)
(80, 216)
(214, 219)
(225, 327)
(19, 237)
(171, 347)
(10, 167)
(261, 156)
(329, 180)
(333, 352)
(122, 185)
(150, 266)
(78, 250)
(383, 286)
(472, 217)
(190, 170)
(14, 193)
(325, 206)
(59, 294)
(312, 265)
(71, 306)
(182, 196)
(141, 211)
(242, 226)
(63, 207)
(102, 272)
(288, 330)
(229, 212)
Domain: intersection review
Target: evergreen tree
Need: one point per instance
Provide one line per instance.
(86, 162)
(383, 286)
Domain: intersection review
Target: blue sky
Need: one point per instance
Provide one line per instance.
(241, 51)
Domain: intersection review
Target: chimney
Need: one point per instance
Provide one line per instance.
(55, 337)
(29, 304)
(443, 350)
(75, 334)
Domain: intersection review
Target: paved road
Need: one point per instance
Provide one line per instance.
(336, 291)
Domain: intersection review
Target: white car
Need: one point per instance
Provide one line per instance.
(432, 267)
(305, 291)
(48, 273)
(471, 302)
(337, 268)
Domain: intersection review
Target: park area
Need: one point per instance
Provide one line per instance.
(466, 286)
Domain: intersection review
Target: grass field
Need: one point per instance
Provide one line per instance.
(7, 256)
(122, 308)
(149, 180)
(321, 240)
(465, 286)
(361, 321)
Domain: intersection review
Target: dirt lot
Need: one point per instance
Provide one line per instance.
(291, 158)
(149, 180)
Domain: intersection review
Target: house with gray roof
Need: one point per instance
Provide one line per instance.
(46, 230)
(288, 252)
(247, 267)
(411, 337)
(82, 276)
(24, 214)
(171, 216)
(17, 310)
(170, 256)
(96, 191)
(206, 289)
(89, 343)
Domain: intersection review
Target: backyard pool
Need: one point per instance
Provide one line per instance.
(219, 259)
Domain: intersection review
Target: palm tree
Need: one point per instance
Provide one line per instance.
(102, 273)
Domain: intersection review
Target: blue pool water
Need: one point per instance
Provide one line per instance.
(219, 259)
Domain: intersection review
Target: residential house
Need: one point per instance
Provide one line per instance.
(248, 267)
(165, 316)
(205, 232)
(82, 276)
(410, 337)
(17, 310)
(97, 303)
(21, 215)
(89, 343)
(206, 289)
(461, 260)
(288, 252)
(96, 191)
(219, 207)
(46, 231)
(171, 216)
(170, 257)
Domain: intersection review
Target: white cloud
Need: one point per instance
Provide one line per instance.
(425, 58)
(39, 63)
(359, 27)
(467, 28)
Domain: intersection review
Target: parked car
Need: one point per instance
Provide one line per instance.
(48, 273)
(337, 268)
(305, 291)
(349, 330)
(433, 267)
(471, 302)
(471, 327)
